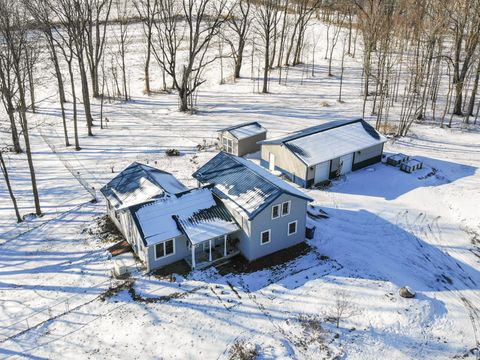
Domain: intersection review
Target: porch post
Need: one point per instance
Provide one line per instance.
(210, 250)
(193, 256)
(225, 245)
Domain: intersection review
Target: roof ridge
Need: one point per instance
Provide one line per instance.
(276, 186)
(233, 127)
(299, 136)
(311, 131)
(256, 173)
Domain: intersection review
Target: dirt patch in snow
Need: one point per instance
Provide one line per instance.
(168, 272)
(163, 298)
(239, 264)
(112, 291)
(104, 229)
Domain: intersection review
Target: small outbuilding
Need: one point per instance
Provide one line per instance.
(317, 154)
(242, 139)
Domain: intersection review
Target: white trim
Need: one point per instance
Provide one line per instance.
(210, 250)
(289, 208)
(225, 245)
(279, 211)
(288, 227)
(164, 249)
(269, 231)
(271, 161)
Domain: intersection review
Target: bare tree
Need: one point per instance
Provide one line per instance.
(14, 32)
(31, 55)
(95, 14)
(123, 39)
(147, 10)
(63, 38)
(343, 307)
(239, 22)
(73, 15)
(192, 25)
(40, 10)
(303, 10)
(464, 16)
(7, 92)
(267, 17)
(4, 169)
(339, 21)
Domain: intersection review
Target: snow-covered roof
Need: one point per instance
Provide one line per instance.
(207, 224)
(248, 186)
(194, 213)
(139, 183)
(245, 130)
(331, 140)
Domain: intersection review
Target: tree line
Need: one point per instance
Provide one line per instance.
(410, 50)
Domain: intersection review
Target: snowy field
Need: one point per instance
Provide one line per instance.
(386, 229)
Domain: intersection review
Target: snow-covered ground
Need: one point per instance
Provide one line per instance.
(386, 229)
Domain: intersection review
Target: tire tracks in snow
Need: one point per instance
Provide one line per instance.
(432, 232)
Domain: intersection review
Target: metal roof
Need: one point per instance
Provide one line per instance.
(194, 213)
(245, 130)
(248, 186)
(329, 141)
(207, 224)
(139, 183)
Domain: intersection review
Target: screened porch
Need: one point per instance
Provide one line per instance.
(212, 251)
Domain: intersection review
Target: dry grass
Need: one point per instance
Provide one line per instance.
(243, 350)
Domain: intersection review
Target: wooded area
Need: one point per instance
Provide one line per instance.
(419, 56)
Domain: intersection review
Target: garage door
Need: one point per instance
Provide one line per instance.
(322, 172)
(346, 162)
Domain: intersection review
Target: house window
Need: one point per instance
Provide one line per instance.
(275, 211)
(286, 208)
(164, 249)
(228, 145)
(292, 227)
(265, 237)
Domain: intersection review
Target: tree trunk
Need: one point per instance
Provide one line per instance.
(266, 65)
(457, 108)
(31, 84)
(74, 103)
(94, 78)
(61, 89)
(25, 131)
(471, 103)
(9, 188)
(147, 62)
(282, 36)
(85, 94)
(239, 59)
(26, 137)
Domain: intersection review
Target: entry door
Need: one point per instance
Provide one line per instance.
(322, 172)
(271, 162)
(346, 162)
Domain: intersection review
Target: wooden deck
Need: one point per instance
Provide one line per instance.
(119, 248)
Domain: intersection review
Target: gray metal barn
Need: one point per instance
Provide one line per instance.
(242, 139)
(316, 154)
